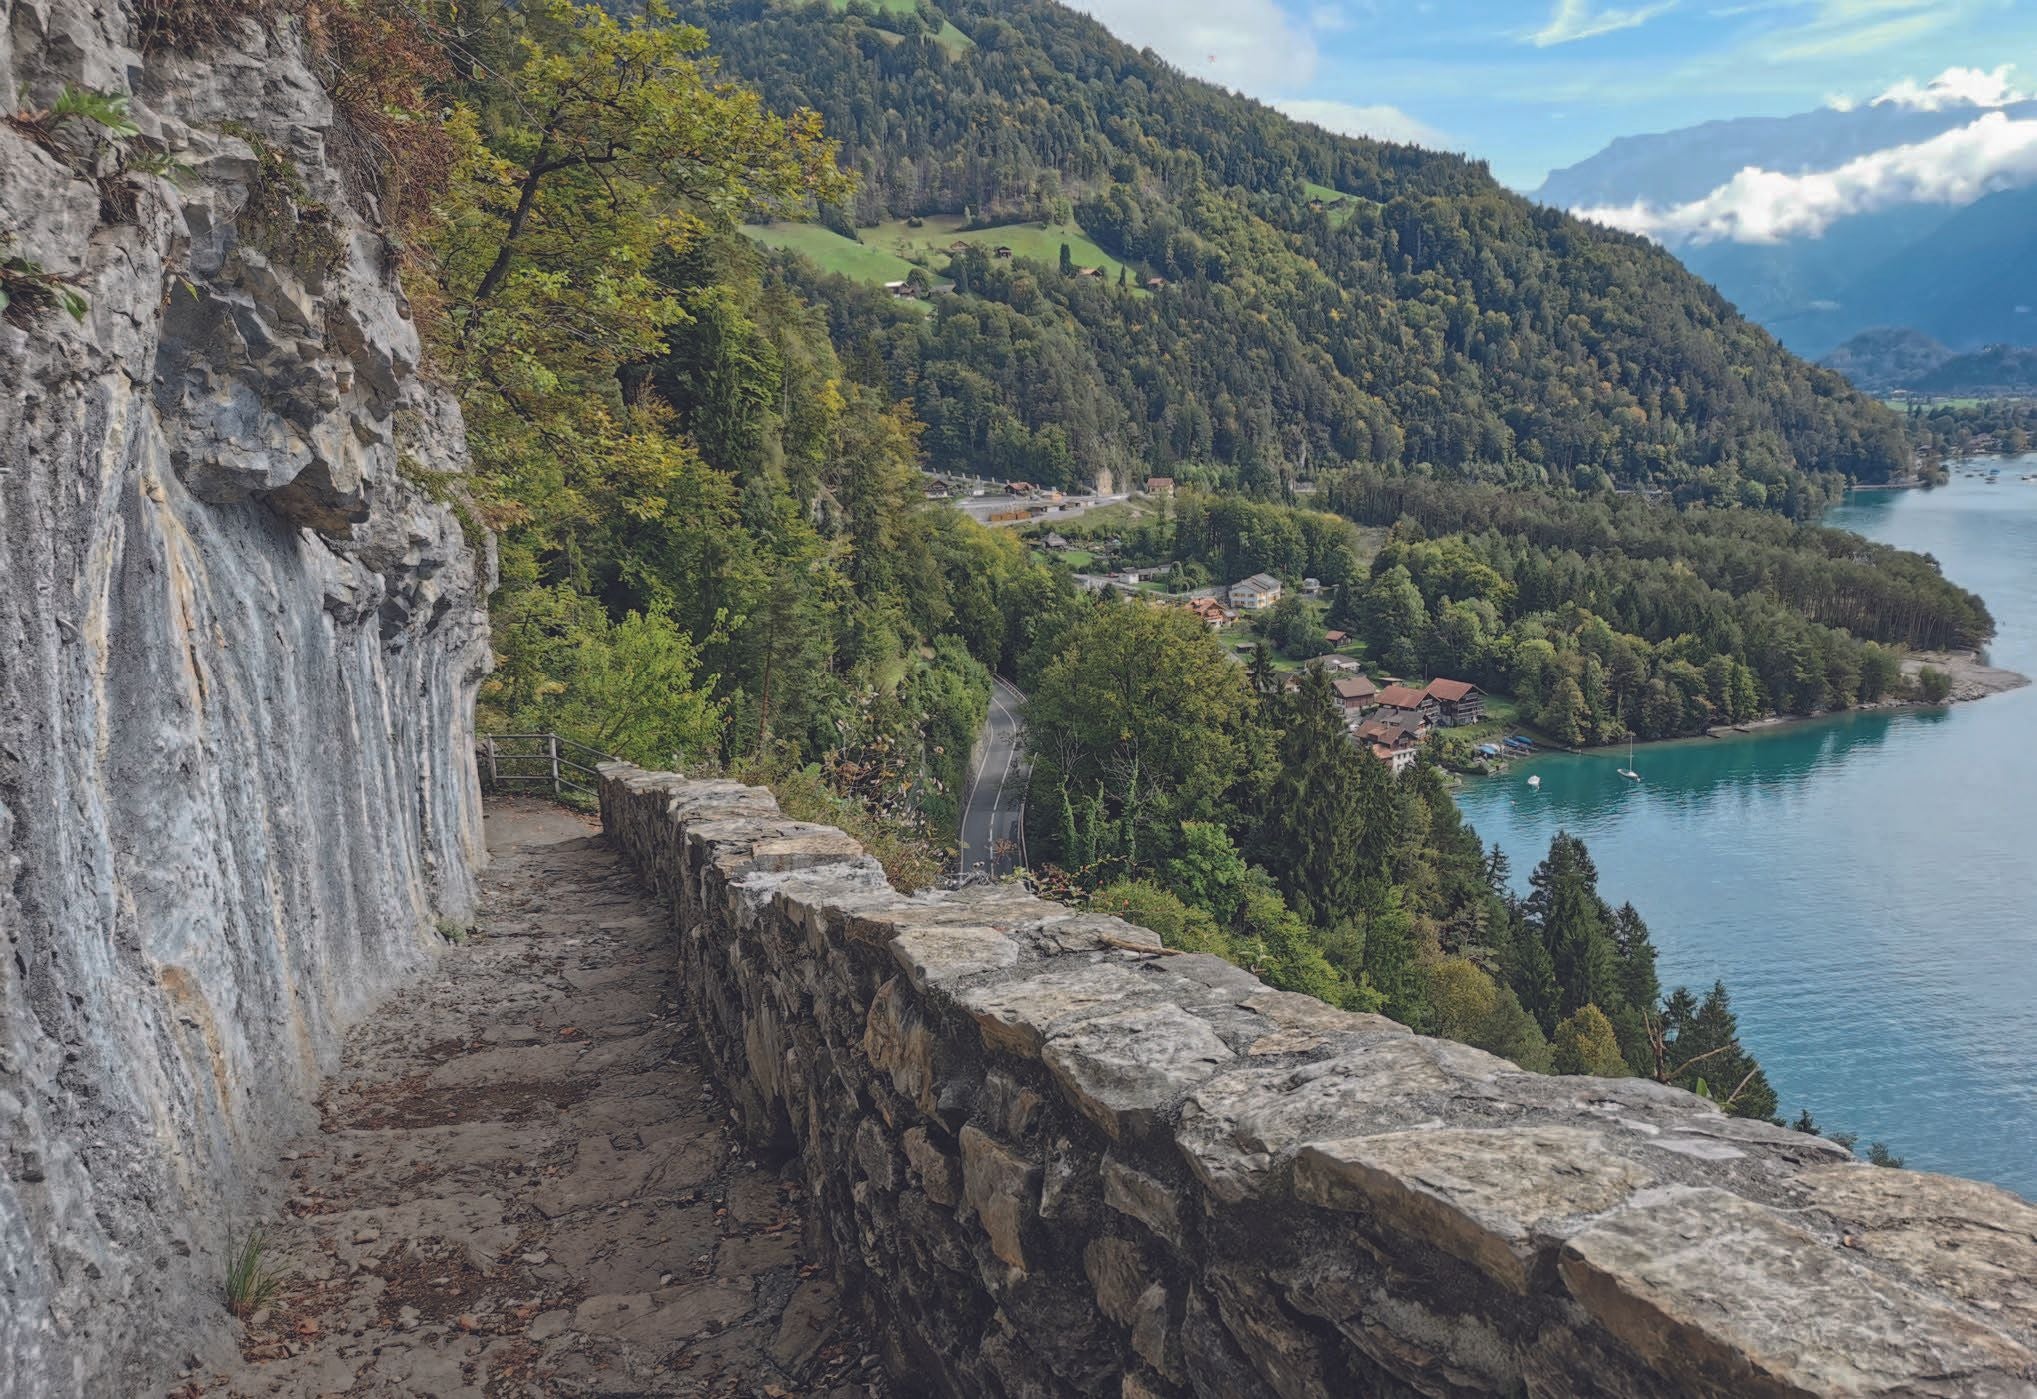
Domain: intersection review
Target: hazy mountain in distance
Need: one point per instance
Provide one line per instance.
(1884, 360)
(1963, 275)
(1675, 167)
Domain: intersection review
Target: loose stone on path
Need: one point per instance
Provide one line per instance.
(524, 1183)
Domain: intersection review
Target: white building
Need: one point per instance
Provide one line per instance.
(1255, 594)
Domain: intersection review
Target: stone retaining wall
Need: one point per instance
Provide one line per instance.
(1050, 1157)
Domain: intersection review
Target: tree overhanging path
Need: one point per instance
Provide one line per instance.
(524, 1182)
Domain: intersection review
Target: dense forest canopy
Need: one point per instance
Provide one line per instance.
(1374, 303)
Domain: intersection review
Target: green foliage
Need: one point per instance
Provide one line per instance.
(1153, 906)
(1611, 616)
(28, 291)
(1934, 686)
(631, 687)
(1699, 1044)
(282, 221)
(250, 1284)
(1429, 319)
(1584, 1043)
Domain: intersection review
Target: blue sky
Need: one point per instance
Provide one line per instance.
(1534, 84)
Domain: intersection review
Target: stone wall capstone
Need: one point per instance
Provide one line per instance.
(1047, 1156)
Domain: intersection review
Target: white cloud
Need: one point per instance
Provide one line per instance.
(1956, 87)
(1572, 20)
(1381, 122)
(1760, 206)
(1250, 45)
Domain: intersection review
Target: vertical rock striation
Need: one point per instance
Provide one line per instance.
(239, 641)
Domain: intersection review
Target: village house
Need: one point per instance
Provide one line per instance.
(1159, 485)
(1055, 540)
(1404, 702)
(1395, 742)
(1212, 613)
(1356, 694)
(1457, 702)
(1334, 637)
(1155, 283)
(1001, 251)
(1255, 594)
(1340, 665)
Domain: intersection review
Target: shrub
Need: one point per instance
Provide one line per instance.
(1934, 686)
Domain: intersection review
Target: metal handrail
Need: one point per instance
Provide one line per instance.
(555, 767)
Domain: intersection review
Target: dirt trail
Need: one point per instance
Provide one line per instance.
(524, 1183)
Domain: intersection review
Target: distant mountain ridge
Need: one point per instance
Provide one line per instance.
(1885, 360)
(1963, 275)
(1675, 167)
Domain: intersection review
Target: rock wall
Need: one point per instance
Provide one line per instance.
(239, 642)
(1049, 1157)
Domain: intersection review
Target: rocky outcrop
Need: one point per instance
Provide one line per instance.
(1050, 1157)
(239, 641)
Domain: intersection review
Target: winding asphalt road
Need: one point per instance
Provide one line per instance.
(993, 808)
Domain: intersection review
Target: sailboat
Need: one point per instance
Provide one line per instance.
(1628, 771)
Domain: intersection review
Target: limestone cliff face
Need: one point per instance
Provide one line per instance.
(239, 641)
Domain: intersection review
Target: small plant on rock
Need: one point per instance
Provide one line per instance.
(249, 1282)
(28, 291)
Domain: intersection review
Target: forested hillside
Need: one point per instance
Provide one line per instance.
(1325, 300)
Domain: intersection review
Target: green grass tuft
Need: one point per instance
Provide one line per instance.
(249, 1283)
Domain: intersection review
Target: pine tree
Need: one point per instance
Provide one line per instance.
(1701, 1048)
(1328, 823)
(1067, 261)
(1573, 923)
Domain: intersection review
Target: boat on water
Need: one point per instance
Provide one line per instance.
(1628, 771)
(1535, 780)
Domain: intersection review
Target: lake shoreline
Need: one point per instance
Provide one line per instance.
(1972, 679)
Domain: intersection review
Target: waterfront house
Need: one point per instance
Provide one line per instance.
(1356, 694)
(1457, 702)
(1255, 594)
(1404, 702)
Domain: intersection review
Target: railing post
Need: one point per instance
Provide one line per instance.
(552, 742)
(494, 777)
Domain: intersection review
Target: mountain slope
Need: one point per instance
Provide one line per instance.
(1434, 318)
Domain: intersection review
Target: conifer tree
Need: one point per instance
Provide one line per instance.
(1328, 827)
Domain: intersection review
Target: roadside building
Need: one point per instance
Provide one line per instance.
(1159, 485)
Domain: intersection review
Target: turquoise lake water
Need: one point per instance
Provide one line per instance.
(1866, 885)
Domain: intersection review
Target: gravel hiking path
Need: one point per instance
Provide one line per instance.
(524, 1183)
